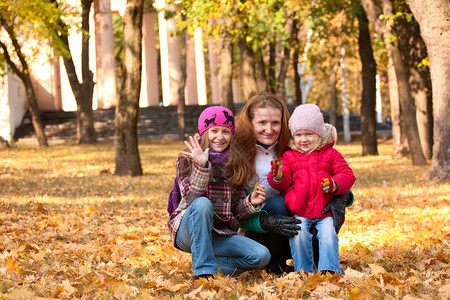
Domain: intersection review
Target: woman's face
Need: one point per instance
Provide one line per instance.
(219, 138)
(267, 125)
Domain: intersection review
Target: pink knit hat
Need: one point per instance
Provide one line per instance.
(215, 116)
(308, 117)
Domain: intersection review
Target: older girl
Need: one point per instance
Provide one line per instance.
(206, 221)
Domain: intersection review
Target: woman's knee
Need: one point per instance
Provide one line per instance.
(276, 206)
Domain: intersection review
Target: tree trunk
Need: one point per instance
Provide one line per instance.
(414, 51)
(226, 72)
(261, 71)
(408, 108)
(399, 140)
(126, 138)
(290, 27)
(34, 112)
(333, 94)
(24, 74)
(345, 110)
(297, 89)
(433, 18)
(181, 88)
(249, 84)
(368, 101)
(82, 92)
(271, 67)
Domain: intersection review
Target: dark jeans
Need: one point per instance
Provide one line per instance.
(278, 245)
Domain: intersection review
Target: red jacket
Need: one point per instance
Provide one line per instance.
(302, 173)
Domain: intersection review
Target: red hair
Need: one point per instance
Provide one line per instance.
(241, 163)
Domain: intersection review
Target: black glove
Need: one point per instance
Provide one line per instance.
(285, 226)
(337, 207)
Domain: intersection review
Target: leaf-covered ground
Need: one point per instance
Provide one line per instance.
(69, 228)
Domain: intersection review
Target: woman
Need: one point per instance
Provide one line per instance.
(262, 135)
(206, 220)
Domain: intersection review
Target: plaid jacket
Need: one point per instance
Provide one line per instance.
(230, 205)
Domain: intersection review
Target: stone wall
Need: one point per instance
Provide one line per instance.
(154, 122)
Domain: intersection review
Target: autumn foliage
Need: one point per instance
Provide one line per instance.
(69, 228)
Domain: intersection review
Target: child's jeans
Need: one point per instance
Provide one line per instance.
(302, 248)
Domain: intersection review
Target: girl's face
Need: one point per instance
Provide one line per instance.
(306, 140)
(267, 125)
(219, 138)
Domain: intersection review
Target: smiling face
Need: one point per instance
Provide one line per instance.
(267, 125)
(306, 140)
(219, 138)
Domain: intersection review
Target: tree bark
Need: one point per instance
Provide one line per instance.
(261, 71)
(24, 74)
(126, 138)
(249, 84)
(226, 72)
(407, 107)
(297, 88)
(181, 88)
(82, 92)
(290, 27)
(414, 51)
(368, 101)
(399, 140)
(344, 97)
(271, 67)
(333, 94)
(434, 20)
(34, 111)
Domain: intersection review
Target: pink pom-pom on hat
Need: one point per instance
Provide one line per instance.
(215, 116)
(308, 117)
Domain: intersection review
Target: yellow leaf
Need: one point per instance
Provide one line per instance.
(195, 293)
(376, 269)
(177, 287)
(20, 294)
(68, 287)
(353, 273)
(92, 209)
(356, 294)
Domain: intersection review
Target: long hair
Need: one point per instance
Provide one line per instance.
(241, 162)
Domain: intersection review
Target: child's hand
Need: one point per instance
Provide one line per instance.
(197, 154)
(328, 185)
(259, 195)
(276, 169)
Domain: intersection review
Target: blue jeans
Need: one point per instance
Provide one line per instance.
(211, 252)
(302, 248)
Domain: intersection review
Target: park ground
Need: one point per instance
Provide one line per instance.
(69, 228)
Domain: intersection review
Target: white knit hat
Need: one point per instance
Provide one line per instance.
(309, 117)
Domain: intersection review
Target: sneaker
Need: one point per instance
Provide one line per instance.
(204, 276)
(327, 271)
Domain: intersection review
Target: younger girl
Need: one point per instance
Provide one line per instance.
(310, 174)
(206, 221)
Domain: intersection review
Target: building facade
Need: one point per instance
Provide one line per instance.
(161, 69)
